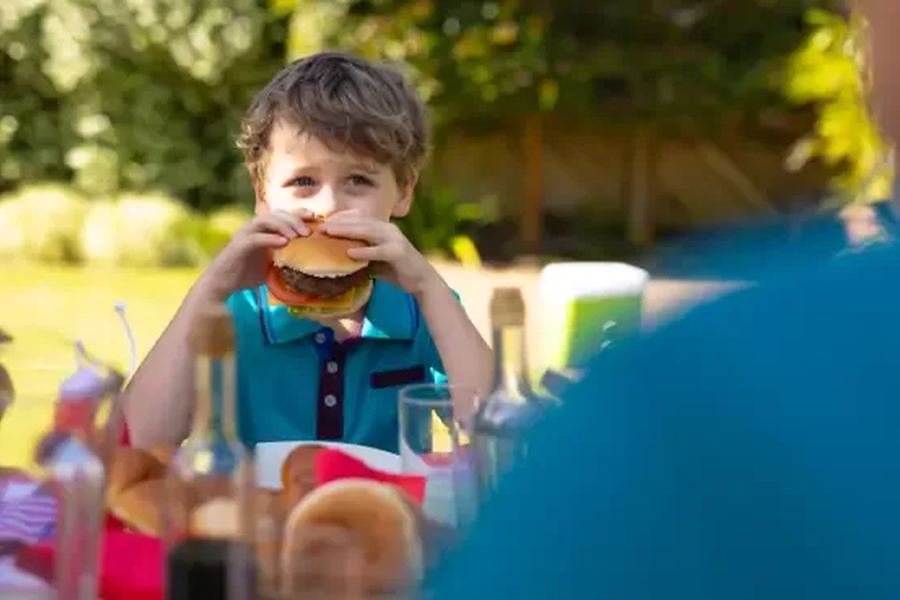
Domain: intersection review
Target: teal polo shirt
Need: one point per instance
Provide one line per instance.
(296, 382)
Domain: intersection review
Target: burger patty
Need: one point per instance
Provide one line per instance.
(321, 287)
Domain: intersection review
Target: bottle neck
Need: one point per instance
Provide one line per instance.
(510, 363)
(215, 406)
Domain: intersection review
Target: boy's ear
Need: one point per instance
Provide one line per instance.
(402, 206)
(262, 207)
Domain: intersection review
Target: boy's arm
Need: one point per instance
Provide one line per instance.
(159, 398)
(466, 357)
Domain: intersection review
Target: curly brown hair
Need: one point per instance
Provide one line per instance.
(344, 101)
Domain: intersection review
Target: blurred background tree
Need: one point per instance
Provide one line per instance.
(652, 68)
(119, 97)
(484, 64)
(828, 71)
(142, 95)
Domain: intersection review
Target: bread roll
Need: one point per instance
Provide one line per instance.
(270, 519)
(163, 454)
(372, 517)
(134, 492)
(129, 467)
(139, 506)
(298, 474)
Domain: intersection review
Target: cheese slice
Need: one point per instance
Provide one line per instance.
(343, 302)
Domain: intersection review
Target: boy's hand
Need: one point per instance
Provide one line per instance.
(244, 261)
(396, 259)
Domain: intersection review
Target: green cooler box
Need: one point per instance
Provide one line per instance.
(584, 306)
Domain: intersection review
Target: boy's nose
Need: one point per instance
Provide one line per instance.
(325, 203)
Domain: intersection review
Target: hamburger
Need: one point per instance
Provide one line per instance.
(314, 277)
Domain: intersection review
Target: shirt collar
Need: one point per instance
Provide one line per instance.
(388, 316)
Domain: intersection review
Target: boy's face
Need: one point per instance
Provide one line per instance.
(303, 173)
(883, 18)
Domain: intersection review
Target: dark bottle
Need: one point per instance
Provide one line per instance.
(208, 512)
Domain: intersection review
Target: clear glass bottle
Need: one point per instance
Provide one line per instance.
(502, 421)
(210, 491)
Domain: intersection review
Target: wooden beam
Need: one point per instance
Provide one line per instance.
(643, 182)
(532, 225)
(726, 168)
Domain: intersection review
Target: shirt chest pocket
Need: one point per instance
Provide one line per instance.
(396, 378)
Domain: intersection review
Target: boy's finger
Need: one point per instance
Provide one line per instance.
(368, 253)
(267, 240)
(368, 231)
(353, 214)
(295, 220)
(276, 223)
(304, 214)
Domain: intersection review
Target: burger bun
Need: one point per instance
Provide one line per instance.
(319, 254)
(374, 516)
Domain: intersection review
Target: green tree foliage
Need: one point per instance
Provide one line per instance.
(676, 64)
(828, 71)
(146, 94)
(132, 94)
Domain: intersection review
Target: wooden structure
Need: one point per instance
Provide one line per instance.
(643, 180)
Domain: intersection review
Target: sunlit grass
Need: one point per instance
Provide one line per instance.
(47, 309)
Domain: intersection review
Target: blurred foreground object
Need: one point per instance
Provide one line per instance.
(7, 390)
(65, 506)
(211, 473)
(865, 226)
(505, 418)
(747, 450)
(74, 455)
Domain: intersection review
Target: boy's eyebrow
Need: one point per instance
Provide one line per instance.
(356, 165)
(366, 166)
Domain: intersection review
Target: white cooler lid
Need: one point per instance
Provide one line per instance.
(574, 280)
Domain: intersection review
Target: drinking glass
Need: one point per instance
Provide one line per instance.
(434, 443)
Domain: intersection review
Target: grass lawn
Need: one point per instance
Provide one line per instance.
(47, 309)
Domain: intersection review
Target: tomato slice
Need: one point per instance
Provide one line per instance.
(282, 292)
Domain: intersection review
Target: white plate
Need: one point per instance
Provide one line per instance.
(270, 456)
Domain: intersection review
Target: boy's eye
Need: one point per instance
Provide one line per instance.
(303, 181)
(360, 180)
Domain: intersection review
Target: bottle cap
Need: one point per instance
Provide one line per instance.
(213, 331)
(83, 384)
(507, 307)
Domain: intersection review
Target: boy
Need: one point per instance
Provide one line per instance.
(760, 460)
(333, 137)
